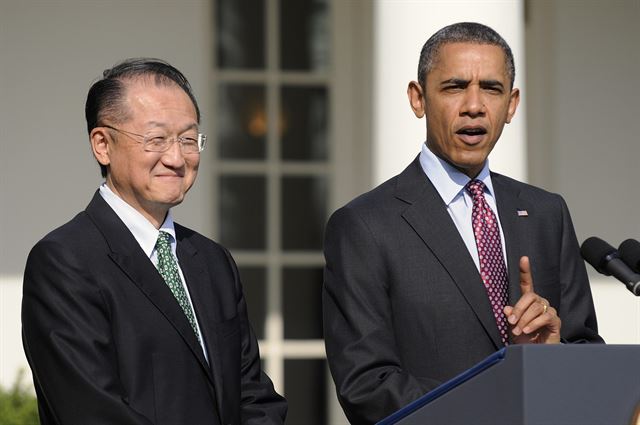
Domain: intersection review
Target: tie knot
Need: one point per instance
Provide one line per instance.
(475, 188)
(164, 240)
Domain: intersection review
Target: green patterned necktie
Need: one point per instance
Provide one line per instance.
(168, 268)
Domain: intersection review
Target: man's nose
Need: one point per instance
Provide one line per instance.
(174, 156)
(473, 102)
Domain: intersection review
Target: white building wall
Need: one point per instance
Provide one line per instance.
(582, 61)
(50, 54)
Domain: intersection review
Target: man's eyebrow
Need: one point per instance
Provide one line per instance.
(455, 82)
(491, 83)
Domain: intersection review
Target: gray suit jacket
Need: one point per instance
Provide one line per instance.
(404, 306)
(109, 344)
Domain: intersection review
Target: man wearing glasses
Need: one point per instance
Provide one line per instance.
(128, 317)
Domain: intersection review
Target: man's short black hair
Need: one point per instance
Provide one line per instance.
(106, 96)
(462, 32)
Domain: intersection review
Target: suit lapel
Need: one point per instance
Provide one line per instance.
(428, 216)
(515, 228)
(204, 301)
(129, 257)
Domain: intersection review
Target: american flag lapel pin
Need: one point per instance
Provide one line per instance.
(523, 213)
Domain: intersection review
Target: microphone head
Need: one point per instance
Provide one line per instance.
(598, 253)
(630, 253)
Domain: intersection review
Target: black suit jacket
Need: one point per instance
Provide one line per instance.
(404, 305)
(109, 344)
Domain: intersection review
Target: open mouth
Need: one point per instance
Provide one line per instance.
(472, 134)
(472, 131)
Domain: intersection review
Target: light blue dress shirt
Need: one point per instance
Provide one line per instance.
(450, 183)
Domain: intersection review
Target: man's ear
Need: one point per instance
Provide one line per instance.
(100, 140)
(514, 101)
(416, 98)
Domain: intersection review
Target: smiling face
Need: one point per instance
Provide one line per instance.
(151, 182)
(467, 102)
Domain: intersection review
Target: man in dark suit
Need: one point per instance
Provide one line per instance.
(444, 264)
(128, 317)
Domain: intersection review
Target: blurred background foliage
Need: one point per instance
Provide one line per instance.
(18, 404)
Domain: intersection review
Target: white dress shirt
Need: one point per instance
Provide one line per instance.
(450, 183)
(146, 235)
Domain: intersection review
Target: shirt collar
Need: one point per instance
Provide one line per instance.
(449, 181)
(143, 231)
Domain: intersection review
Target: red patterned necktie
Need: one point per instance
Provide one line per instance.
(492, 267)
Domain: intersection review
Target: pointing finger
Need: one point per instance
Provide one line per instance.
(526, 281)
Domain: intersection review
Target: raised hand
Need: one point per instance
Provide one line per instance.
(532, 319)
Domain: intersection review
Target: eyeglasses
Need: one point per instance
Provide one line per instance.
(162, 143)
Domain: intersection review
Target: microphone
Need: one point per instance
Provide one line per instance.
(606, 260)
(630, 253)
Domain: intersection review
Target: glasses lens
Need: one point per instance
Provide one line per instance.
(156, 144)
(190, 145)
(187, 144)
(202, 141)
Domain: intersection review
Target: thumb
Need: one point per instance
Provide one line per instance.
(526, 281)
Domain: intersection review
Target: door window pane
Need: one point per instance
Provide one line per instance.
(304, 123)
(273, 159)
(240, 34)
(304, 205)
(255, 293)
(305, 389)
(304, 36)
(302, 302)
(243, 212)
(241, 121)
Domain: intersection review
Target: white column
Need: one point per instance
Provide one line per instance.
(401, 28)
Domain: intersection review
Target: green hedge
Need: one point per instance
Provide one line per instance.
(18, 405)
